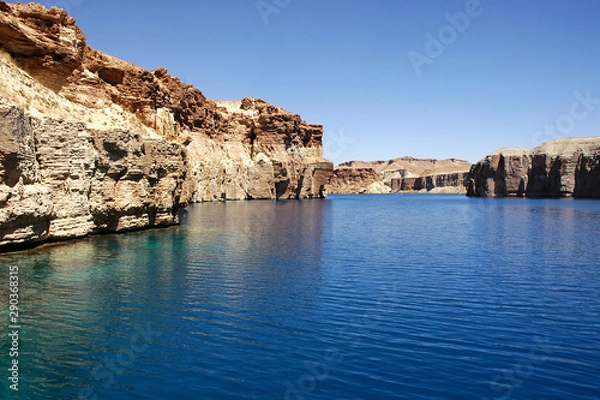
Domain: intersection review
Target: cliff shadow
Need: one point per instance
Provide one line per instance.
(587, 177)
(541, 181)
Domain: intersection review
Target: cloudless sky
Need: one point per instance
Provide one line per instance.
(344, 64)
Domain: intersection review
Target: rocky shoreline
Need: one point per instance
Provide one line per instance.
(559, 168)
(401, 175)
(92, 144)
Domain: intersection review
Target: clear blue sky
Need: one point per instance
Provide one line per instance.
(511, 71)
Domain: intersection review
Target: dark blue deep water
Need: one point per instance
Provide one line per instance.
(373, 297)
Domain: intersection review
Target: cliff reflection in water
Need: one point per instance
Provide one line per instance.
(264, 252)
(229, 263)
(416, 294)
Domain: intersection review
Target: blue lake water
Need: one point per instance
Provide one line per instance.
(353, 297)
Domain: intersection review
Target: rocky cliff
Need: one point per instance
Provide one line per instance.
(559, 168)
(450, 183)
(61, 179)
(406, 174)
(90, 143)
(356, 181)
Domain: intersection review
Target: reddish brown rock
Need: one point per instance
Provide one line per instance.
(356, 181)
(90, 143)
(444, 183)
(45, 43)
(560, 168)
(408, 174)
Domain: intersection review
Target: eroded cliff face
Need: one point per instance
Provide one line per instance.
(61, 180)
(450, 183)
(90, 143)
(357, 181)
(559, 168)
(263, 152)
(406, 174)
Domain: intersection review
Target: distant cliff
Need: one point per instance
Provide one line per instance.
(90, 143)
(406, 174)
(356, 181)
(455, 182)
(560, 168)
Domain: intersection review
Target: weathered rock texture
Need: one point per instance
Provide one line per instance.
(90, 143)
(357, 181)
(560, 168)
(406, 174)
(438, 183)
(260, 152)
(60, 180)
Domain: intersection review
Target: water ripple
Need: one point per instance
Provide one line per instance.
(413, 297)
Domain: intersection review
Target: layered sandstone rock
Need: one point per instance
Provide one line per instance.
(356, 181)
(559, 168)
(450, 183)
(61, 180)
(410, 167)
(46, 43)
(265, 152)
(406, 174)
(91, 143)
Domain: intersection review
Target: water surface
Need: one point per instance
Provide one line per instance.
(353, 297)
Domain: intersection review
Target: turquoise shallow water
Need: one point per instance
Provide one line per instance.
(372, 297)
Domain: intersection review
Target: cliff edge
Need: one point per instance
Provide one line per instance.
(559, 168)
(405, 174)
(347, 180)
(90, 143)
